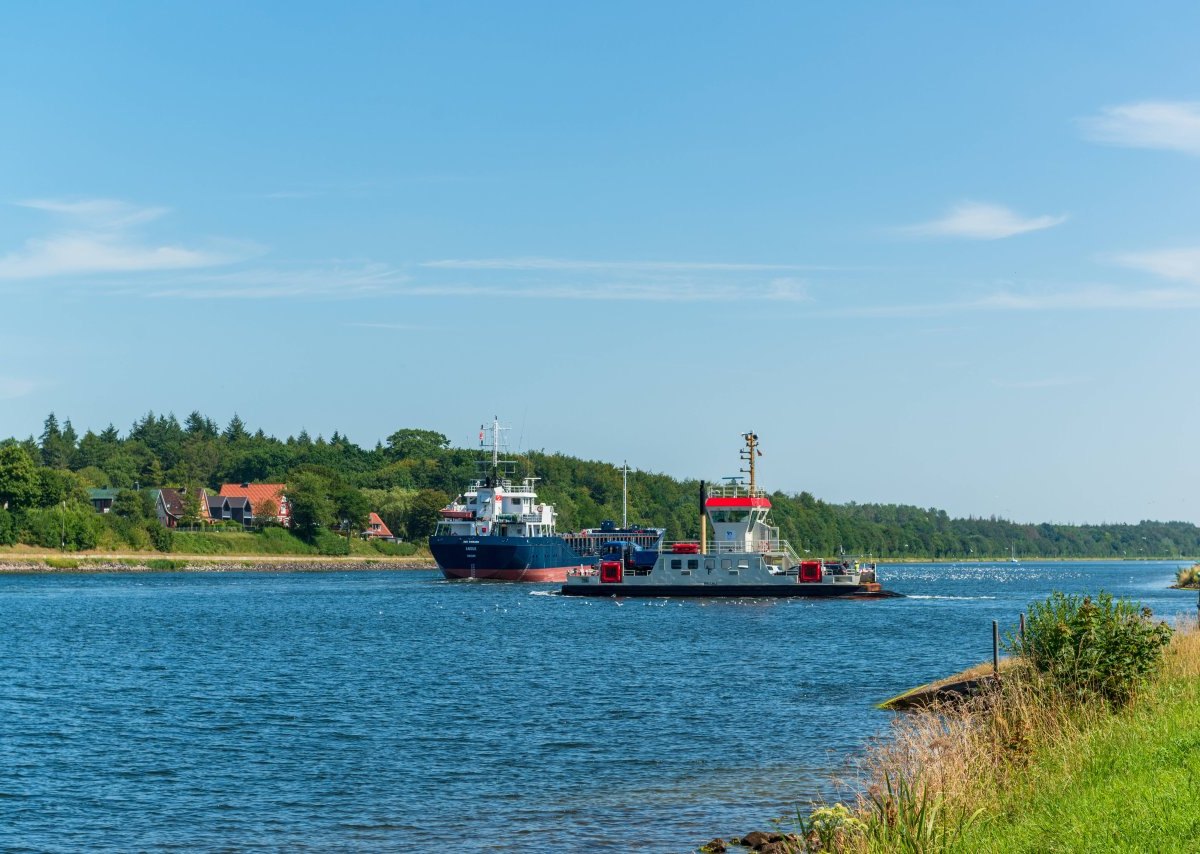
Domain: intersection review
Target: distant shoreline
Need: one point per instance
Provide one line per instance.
(53, 563)
(48, 562)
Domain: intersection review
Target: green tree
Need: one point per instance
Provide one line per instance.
(135, 505)
(352, 508)
(58, 485)
(235, 431)
(191, 514)
(19, 485)
(424, 513)
(312, 508)
(422, 444)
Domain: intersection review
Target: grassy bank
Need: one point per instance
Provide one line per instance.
(1090, 742)
(1189, 578)
(1122, 782)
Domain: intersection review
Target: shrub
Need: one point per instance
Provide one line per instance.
(329, 543)
(1189, 577)
(8, 528)
(72, 527)
(394, 549)
(1093, 648)
(162, 537)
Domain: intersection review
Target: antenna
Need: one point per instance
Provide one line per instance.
(749, 454)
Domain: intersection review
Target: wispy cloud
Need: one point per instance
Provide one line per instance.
(1176, 264)
(97, 236)
(981, 221)
(1084, 298)
(573, 265)
(11, 387)
(326, 281)
(1168, 125)
(1046, 382)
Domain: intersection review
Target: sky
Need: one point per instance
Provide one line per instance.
(942, 254)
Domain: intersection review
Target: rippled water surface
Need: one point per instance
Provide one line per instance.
(397, 711)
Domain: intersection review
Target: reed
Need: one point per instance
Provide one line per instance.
(961, 776)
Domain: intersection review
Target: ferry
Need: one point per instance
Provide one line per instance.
(498, 529)
(745, 556)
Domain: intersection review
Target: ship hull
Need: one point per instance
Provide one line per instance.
(750, 591)
(534, 559)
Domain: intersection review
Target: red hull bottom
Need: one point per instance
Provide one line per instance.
(545, 575)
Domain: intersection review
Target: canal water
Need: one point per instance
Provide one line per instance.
(395, 711)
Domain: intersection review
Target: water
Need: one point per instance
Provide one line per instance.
(368, 711)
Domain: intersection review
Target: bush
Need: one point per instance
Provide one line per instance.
(1189, 577)
(394, 549)
(1102, 648)
(162, 537)
(8, 528)
(330, 544)
(72, 527)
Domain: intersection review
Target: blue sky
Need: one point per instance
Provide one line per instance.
(938, 254)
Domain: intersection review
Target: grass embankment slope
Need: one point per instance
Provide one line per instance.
(273, 546)
(1128, 781)
(1089, 742)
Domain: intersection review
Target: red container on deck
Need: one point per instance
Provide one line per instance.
(810, 570)
(610, 572)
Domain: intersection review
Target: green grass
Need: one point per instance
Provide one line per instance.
(273, 541)
(1131, 783)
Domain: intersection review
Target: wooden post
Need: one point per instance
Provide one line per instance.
(995, 649)
(1022, 631)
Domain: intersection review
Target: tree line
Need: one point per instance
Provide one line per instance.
(334, 483)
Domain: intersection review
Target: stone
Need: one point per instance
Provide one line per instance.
(755, 839)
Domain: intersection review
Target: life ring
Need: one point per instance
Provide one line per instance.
(539, 508)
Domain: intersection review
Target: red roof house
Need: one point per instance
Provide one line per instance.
(376, 529)
(257, 493)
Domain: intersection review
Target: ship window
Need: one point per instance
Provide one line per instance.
(726, 563)
(710, 564)
(676, 563)
(693, 563)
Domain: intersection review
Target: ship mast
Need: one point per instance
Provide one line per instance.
(748, 455)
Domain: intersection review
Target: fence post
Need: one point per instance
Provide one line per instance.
(1022, 630)
(995, 649)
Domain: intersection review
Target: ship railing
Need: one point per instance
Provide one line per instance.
(734, 490)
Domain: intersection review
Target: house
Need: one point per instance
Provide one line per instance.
(256, 495)
(169, 506)
(236, 509)
(377, 530)
(102, 499)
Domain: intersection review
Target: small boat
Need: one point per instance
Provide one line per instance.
(744, 558)
(1012, 550)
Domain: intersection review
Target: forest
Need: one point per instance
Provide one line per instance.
(333, 483)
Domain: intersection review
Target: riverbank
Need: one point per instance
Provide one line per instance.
(46, 561)
(1025, 767)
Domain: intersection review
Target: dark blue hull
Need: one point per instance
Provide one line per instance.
(506, 558)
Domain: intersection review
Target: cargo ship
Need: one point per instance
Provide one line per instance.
(498, 529)
(744, 558)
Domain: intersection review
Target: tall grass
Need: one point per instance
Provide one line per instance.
(959, 776)
(1189, 576)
